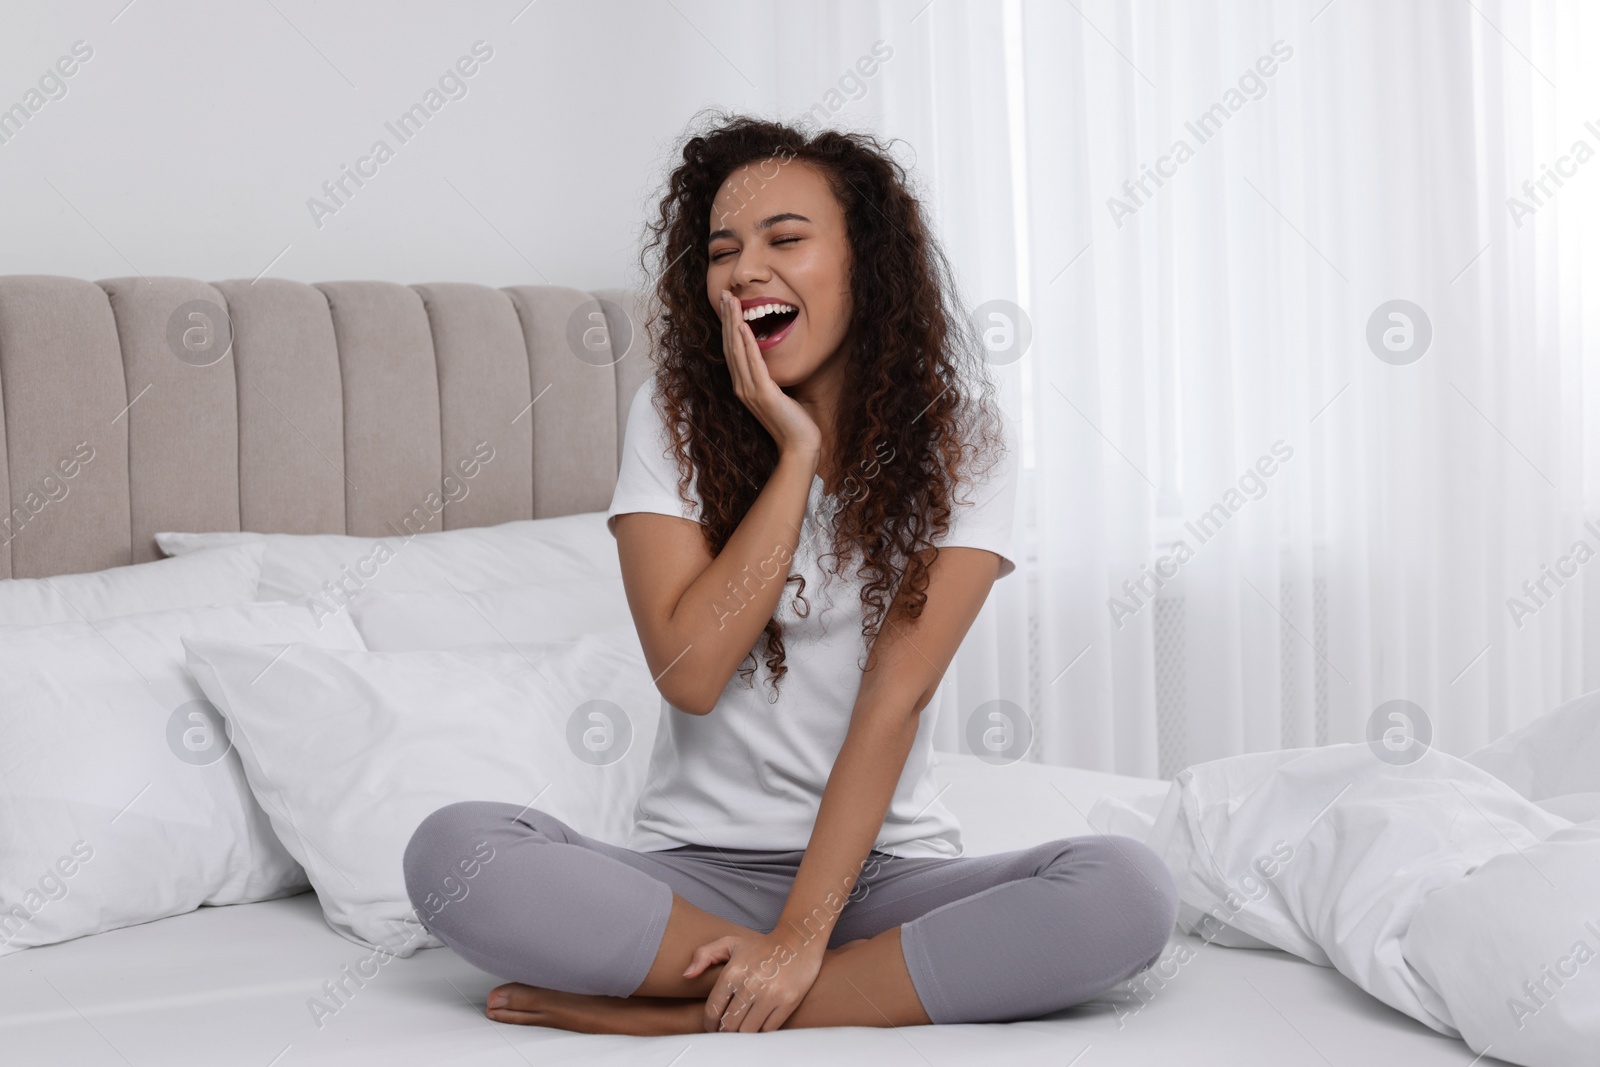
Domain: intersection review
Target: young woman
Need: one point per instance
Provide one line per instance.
(817, 394)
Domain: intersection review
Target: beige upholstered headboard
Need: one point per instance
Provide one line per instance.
(337, 408)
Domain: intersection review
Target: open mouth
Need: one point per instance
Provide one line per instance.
(772, 323)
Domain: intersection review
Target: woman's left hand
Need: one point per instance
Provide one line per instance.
(764, 979)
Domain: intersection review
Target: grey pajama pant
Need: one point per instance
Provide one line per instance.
(995, 938)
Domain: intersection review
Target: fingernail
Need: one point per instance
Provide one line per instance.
(497, 1001)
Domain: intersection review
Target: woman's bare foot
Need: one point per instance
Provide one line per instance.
(584, 1014)
(636, 1016)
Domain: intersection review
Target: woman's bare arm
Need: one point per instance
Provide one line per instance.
(907, 660)
(698, 615)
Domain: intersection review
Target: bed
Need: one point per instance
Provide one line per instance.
(331, 409)
(230, 985)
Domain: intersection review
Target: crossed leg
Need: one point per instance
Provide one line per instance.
(1014, 935)
(508, 874)
(668, 1003)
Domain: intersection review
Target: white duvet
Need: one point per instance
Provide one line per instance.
(1463, 892)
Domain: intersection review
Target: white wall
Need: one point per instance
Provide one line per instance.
(192, 139)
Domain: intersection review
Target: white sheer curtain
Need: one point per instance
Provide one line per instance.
(1357, 518)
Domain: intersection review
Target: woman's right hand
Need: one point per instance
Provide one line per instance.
(784, 418)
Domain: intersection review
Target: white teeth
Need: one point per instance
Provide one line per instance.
(767, 309)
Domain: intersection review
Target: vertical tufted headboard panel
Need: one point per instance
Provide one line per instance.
(134, 405)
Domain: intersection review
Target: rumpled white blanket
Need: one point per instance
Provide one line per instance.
(1463, 892)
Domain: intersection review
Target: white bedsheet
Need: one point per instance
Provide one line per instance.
(232, 985)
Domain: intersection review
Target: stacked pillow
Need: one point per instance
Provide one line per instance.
(213, 728)
(331, 571)
(205, 579)
(350, 751)
(261, 712)
(121, 800)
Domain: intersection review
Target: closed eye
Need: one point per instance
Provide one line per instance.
(780, 241)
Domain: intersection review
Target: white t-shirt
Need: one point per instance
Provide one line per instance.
(750, 774)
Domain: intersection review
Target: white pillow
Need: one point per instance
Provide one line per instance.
(1514, 950)
(216, 576)
(1329, 852)
(357, 748)
(1556, 755)
(120, 799)
(333, 569)
(534, 613)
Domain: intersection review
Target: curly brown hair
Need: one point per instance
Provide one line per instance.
(916, 389)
